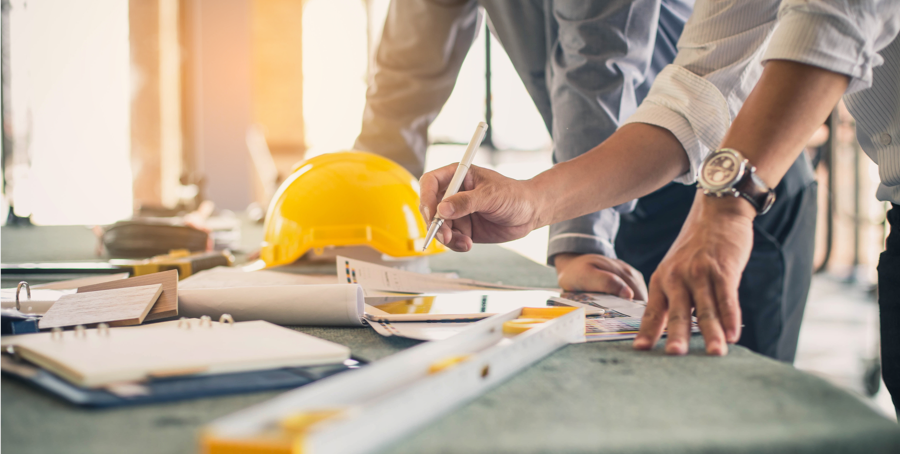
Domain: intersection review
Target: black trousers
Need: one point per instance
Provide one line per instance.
(775, 283)
(889, 307)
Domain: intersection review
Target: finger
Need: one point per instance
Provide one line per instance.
(465, 203)
(654, 319)
(460, 242)
(708, 318)
(640, 288)
(432, 186)
(679, 327)
(596, 280)
(445, 232)
(453, 238)
(631, 277)
(728, 307)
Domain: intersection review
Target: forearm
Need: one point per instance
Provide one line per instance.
(636, 160)
(788, 104)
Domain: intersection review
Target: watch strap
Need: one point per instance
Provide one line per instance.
(755, 191)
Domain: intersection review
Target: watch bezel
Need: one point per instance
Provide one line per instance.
(726, 187)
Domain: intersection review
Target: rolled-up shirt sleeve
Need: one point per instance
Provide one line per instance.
(718, 63)
(691, 108)
(837, 35)
(723, 48)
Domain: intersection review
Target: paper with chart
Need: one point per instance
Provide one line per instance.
(385, 279)
(621, 319)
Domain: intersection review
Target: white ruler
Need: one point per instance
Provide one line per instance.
(365, 409)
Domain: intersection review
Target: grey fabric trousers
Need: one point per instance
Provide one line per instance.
(586, 66)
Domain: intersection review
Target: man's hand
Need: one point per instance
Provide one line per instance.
(701, 272)
(489, 208)
(597, 273)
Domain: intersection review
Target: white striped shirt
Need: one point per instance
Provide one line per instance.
(720, 56)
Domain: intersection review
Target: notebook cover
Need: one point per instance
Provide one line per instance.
(94, 358)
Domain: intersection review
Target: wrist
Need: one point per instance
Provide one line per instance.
(561, 260)
(538, 190)
(726, 172)
(730, 207)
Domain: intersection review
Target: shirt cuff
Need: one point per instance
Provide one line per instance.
(817, 36)
(593, 233)
(692, 109)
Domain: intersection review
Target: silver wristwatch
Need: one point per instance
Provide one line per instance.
(727, 172)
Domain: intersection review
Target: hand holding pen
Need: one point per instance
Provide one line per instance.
(462, 168)
(490, 209)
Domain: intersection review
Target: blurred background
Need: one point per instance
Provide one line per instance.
(112, 108)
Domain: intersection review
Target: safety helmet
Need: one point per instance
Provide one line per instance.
(346, 198)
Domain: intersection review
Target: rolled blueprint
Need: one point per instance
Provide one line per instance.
(321, 305)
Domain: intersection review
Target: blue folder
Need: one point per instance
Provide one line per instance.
(174, 388)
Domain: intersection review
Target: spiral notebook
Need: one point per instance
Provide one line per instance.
(102, 357)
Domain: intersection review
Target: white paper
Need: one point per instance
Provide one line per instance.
(39, 303)
(45, 295)
(383, 278)
(81, 282)
(281, 298)
(596, 329)
(621, 320)
(426, 331)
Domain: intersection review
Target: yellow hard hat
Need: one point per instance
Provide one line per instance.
(346, 198)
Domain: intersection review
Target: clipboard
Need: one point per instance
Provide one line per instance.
(172, 388)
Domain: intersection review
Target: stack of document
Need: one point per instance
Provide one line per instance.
(618, 319)
(621, 318)
(435, 307)
(355, 296)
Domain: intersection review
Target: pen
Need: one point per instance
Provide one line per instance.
(457, 179)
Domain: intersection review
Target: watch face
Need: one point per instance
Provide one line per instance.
(720, 171)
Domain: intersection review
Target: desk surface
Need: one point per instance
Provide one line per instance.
(584, 398)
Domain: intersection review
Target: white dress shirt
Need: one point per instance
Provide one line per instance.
(721, 54)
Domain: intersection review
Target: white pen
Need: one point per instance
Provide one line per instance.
(457, 179)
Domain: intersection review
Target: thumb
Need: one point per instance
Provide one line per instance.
(462, 204)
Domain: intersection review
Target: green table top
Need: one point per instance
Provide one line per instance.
(583, 398)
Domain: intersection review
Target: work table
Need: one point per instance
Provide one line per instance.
(583, 398)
